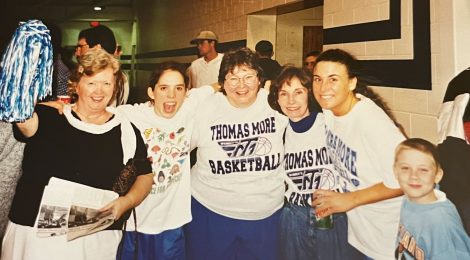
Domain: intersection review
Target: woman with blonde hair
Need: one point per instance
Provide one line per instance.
(87, 144)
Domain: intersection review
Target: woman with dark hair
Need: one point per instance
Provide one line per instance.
(237, 181)
(166, 123)
(307, 168)
(361, 136)
(88, 144)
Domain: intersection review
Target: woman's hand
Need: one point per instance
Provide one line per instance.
(327, 202)
(139, 190)
(119, 206)
(59, 105)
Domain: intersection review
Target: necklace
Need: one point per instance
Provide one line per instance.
(95, 118)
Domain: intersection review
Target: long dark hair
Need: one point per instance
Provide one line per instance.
(354, 71)
(285, 77)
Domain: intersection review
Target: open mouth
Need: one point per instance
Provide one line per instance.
(169, 107)
(242, 92)
(97, 99)
(326, 97)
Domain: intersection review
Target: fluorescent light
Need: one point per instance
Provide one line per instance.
(97, 8)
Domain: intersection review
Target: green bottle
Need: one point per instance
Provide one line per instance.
(320, 223)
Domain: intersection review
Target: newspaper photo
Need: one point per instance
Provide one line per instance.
(73, 209)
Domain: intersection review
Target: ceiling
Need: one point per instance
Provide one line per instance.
(68, 3)
(66, 10)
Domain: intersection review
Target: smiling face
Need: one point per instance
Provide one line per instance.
(293, 100)
(241, 86)
(417, 174)
(332, 87)
(168, 94)
(94, 92)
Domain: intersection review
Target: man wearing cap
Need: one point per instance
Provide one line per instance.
(205, 70)
(271, 68)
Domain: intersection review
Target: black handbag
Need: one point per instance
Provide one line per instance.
(122, 185)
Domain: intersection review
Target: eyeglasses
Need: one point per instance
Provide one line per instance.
(248, 79)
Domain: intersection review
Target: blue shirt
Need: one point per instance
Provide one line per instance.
(431, 231)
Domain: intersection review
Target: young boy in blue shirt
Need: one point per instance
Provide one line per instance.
(430, 227)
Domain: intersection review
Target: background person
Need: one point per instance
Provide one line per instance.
(237, 182)
(90, 145)
(62, 67)
(361, 138)
(205, 70)
(271, 68)
(453, 147)
(310, 58)
(307, 168)
(102, 37)
(11, 155)
(430, 226)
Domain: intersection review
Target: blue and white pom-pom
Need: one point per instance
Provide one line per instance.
(25, 71)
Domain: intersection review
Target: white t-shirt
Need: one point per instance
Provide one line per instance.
(205, 73)
(238, 172)
(168, 205)
(307, 164)
(362, 145)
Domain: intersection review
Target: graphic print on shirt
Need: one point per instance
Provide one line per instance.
(245, 146)
(167, 151)
(407, 246)
(344, 160)
(309, 171)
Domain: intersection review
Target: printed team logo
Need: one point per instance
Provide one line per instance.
(167, 152)
(308, 181)
(246, 147)
(314, 179)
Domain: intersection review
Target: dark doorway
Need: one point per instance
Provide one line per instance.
(312, 39)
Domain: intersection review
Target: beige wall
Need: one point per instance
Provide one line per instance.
(289, 34)
(170, 24)
(417, 110)
(262, 27)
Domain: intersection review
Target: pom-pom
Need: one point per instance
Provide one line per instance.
(25, 71)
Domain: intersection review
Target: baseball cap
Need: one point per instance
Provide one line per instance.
(204, 35)
(264, 46)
